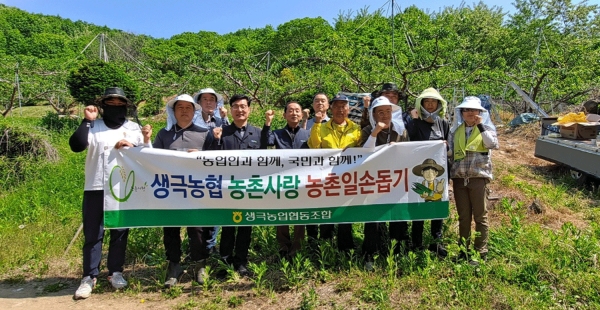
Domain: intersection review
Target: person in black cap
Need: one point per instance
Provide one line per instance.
(338, 133)
(113, 130)
(235, 241)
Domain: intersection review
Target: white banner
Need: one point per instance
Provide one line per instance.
(155, 187)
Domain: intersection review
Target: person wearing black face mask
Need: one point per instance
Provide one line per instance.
(114, 115)
(97, 136)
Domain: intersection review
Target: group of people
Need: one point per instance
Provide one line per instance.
(195, 123)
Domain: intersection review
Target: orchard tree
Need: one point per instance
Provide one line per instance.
(90, 80)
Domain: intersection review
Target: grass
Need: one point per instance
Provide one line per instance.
(531, 264)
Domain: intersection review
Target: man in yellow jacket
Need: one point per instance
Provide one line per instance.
(338, 133)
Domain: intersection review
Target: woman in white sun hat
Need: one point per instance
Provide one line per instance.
(385, 126)
(472, 137)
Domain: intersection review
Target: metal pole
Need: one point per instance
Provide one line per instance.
(268, 68)
(393, 42)
(18, 89)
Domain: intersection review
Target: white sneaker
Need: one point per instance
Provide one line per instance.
(117, 280)
(85, 288)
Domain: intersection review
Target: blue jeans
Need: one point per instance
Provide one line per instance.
(212, 242)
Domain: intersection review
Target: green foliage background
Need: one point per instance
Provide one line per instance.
(547, 47)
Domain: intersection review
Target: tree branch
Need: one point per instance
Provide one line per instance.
(11, 102)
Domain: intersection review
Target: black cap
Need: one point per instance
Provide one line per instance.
(389, 87)
(114, 92)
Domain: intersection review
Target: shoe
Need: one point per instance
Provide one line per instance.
(117, 280)
(369, 264)
(475, 262)
(461, 257)
(85, 288)
(439, 250)
(221, 274)
(174, 271)
(243, 271)
(200, 271)
(283, 254)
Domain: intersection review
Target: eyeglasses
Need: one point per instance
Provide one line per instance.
(384, 113)
(239, 107)
(469, 110)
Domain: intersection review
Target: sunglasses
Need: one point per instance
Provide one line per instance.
(469, 110)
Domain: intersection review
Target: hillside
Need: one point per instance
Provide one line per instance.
(474, 49)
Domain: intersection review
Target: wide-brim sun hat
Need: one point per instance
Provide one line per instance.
(428, 163)
(471, 102)
(383, 101)
(114, 92)
(184, 97)
(207, 91)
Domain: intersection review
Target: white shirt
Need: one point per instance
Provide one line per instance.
(101, 139)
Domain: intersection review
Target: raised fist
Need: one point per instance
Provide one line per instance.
(414, 114)
(147, 133)
(305, 114)
(366, 101)
(269, 114)
(217, 132)
(319, 117)
(379, 127)
(90, 112)
(223, 112)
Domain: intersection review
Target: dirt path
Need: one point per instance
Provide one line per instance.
(31, 295)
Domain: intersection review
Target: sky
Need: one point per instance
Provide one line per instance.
(163, 19)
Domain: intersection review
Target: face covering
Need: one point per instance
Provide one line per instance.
(114, 116)
(431, 117)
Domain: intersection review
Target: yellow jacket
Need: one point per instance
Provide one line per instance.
(324, 136)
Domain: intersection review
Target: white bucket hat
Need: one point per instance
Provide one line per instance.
(184, 97)
(471, 102)
(398, 124)
(381, 101)
(207, 91)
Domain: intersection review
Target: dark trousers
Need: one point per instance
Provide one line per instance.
(345, 241)
(235, 241)
(399, 232)
(93, 232)
(373, 242)
(197, 237)
(417, 232)
(286, 243)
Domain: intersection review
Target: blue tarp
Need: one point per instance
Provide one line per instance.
(486, 102)
(524, 118)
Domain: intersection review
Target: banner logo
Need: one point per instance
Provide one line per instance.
(128, 188)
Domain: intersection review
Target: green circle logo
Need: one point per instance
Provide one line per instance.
(128, 189)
